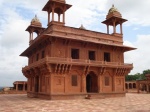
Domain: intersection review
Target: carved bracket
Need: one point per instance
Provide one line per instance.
(62, 68)
(102, 70)
(122, 71)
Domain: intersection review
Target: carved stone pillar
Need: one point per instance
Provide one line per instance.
(52, 13)
(30, 38)
(83, 83)
(113, 83)
(147, 88)
(48, 17)
(121, 28)
(114, 27)
(124, 84)
(107, 29)
(39, 84)
(58, 17)
(99, 87)
(34, 82)
(24, 86)
(101, 84)
(63, 16)
(51, 83)
(138, 87)
(17, 86)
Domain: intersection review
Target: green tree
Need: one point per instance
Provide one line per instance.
(144, 73)
(132, 77)
(137, 76)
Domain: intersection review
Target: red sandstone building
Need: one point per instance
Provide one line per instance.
(66, 62)
(143, 85)
(20, 85)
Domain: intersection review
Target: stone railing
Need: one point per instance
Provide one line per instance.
(97, 36)
(57, 60)
(76, 33)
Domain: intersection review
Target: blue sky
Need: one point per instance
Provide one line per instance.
(16, 15)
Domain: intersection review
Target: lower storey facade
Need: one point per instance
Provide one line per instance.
(76, 82)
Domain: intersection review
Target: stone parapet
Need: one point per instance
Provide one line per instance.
(56, 60)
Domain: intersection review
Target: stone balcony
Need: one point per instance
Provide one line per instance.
(78, 34)
(79, 62)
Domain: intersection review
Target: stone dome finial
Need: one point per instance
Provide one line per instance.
(113, 9)
(82, 27)
(35, 21)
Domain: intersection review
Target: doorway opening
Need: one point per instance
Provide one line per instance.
(91, 83)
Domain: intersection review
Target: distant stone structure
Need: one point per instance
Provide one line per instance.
(20, 85)
(66, 62)
(131, 86)
(144, 85)
(6, 89)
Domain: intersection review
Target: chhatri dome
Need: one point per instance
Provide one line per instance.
(82, 27)
(113, 12)
(35, 21)
(113, 9)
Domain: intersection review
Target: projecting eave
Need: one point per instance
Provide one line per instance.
(109, 22)
(32, 26)
(128, 48)
(43, 37)
(30, 48)
(48, 4)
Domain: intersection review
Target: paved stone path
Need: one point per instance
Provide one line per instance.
(130, 103)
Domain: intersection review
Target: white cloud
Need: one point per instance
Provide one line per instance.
(140, 56)
(127, 43)
(90, 14)
(13, 40)
(135, 28)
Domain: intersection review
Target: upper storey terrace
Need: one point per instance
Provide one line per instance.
(57, 28)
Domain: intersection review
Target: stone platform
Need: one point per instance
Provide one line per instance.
(21, 103)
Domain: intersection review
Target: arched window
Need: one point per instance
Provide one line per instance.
(130, 86)
(134, 85)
